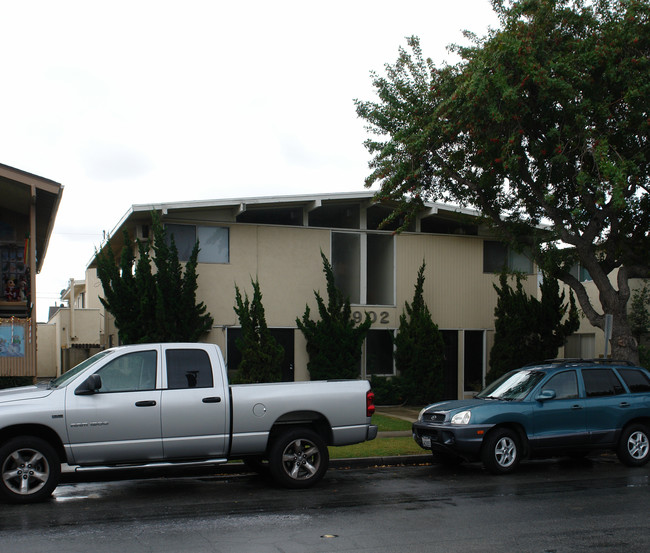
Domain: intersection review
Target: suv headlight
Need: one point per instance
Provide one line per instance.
(461, 418)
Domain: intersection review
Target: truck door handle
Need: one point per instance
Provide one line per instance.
(150, 403)
(211, 400)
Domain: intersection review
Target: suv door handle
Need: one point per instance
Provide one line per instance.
(624, 404)
(576, 407)
(150, 403)
(211, 400)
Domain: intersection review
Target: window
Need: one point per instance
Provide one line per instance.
(129, 373)
(580, 346)
(474, 360)
(637, 381)
(213, 242)
(580, 273)
(188, 368)
(379, 352)
(565, 385)
(601, 382)
(497, 256)
(364, 267)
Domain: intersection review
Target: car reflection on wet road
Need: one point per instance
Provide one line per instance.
(589, 505)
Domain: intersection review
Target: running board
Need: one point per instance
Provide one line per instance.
(152, 465)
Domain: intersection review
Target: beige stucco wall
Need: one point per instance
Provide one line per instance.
(46, 360)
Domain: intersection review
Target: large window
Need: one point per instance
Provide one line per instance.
(214, 242)
(364, 267)
(497, 256)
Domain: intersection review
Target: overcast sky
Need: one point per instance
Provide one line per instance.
(132, 102)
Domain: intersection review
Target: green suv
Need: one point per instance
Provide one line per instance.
(561, 407)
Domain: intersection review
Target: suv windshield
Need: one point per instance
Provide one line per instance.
(513, 386)
(69, 375)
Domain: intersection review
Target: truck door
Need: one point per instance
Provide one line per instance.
(193, 406)
(121, 421)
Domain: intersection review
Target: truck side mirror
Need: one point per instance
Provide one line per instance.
(89, 386)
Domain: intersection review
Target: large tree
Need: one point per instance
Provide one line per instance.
(148, 306)
(543, 127)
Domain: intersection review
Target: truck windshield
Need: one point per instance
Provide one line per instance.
(74, 371)
(513, 386)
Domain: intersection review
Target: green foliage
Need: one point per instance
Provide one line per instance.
(639, 314)
(152, 307)
(419, 350)
(261, 354)
(333, 342)
(545, 120)
(388, 391)
(529, 330)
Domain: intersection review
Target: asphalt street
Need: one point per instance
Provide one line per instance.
(554, 506)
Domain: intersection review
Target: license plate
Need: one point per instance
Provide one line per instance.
(426, 441)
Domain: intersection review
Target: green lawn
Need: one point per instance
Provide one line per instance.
(381, 447)
(386, 423)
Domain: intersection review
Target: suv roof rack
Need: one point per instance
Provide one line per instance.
(578, 361)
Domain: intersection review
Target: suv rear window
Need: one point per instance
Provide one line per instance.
(636, 380)
(601, 382)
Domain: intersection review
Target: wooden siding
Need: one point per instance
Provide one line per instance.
(24, 365)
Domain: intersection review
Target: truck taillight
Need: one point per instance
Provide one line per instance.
(370, 404)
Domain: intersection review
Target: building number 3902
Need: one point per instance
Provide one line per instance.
(381, 318)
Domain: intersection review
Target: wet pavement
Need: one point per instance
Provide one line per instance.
(594, 505)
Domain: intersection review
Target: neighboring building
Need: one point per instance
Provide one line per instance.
(279, 240)
(28, 207)
(72, 333)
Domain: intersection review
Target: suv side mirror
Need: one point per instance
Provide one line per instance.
(546, 395)
(89, 386)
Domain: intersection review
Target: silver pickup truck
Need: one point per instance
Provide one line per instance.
(161, 404)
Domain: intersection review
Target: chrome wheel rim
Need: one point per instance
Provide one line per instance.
(301, 459)
(25, 471)
(637, 445)
(505, 452)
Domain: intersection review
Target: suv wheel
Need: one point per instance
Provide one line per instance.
(633, 449)
(501, 451)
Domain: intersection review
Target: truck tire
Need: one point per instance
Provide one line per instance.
(298, 458)
(29, 469)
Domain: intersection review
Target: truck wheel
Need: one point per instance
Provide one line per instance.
(298, 458)
(633, 447)
(501, 451)
(30, 470)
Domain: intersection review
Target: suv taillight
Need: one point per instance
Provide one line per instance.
(370, 403)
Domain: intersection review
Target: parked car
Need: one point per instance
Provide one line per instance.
(162, 404)
(563, 407)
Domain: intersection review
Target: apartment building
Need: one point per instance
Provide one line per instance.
(278, 240)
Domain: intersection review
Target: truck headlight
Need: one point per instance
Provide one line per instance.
(461, 418)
